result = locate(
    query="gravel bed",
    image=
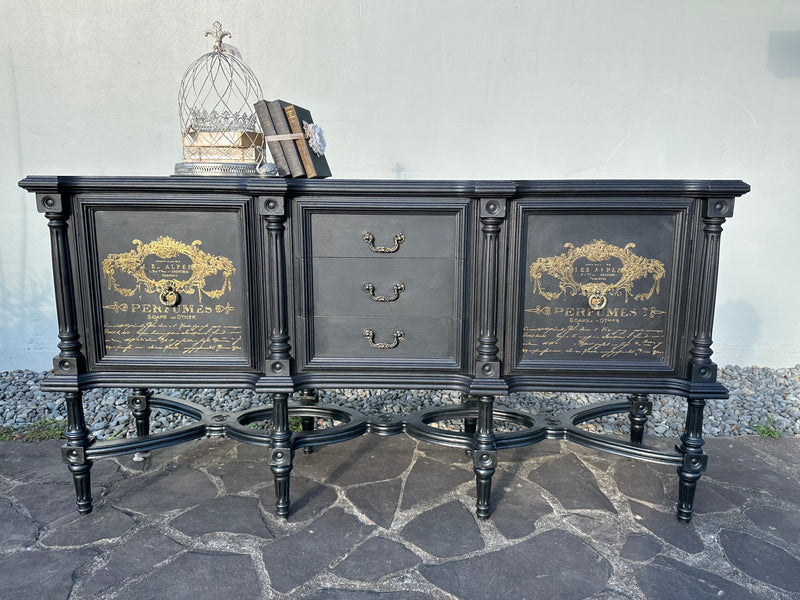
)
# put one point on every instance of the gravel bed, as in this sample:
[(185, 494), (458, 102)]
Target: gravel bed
[(759, 396)]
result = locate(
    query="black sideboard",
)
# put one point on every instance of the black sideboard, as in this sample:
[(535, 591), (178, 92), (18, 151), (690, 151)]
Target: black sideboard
[(481, 287)]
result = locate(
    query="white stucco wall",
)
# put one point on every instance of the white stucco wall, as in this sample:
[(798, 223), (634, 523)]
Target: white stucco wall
[(490, 89)]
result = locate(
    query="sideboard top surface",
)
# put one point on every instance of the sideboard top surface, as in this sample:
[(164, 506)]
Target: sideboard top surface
[(430, 188)]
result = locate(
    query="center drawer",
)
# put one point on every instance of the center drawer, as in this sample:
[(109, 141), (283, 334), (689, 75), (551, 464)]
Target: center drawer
[(385, 236), (375, 287), (387, 340), (382, 283)]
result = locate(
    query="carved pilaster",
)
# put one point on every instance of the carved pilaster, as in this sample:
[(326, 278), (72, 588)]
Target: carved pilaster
[(715, 211), (69, 360), (273, 210), (493, 212)]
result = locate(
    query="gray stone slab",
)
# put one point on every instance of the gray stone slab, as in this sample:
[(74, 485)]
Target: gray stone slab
[(102, 524), (739, 464), (430, 479), (517, 504), (252, 453), (445, 531), (41, 575), (572, 483), (544, 449), (293, 560), (783, 453), (334, 594), (667, 527), (446, 454), (308, 498), (16, 529), (156, 459), (602, 528), (761, 560), (137, 556), (173, 487), (784, 524), (106, 472), (711, 497), (668, 579), (554, 564), (226, 514), (376, 558), (52, 497), (209, 452), (228, 575), (641, 481), (640, 547), (378, 501), (240, 475), (365, 459), (25, 462), (47, 502)]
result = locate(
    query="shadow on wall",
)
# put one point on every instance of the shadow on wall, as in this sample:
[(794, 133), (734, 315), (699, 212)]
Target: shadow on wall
[(28, 324), (783, 54), (742, 329)]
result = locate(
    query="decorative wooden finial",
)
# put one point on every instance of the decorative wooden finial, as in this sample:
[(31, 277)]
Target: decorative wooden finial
[(218, 33)]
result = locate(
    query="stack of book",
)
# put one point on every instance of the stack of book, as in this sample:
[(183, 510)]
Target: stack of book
[(296, 144), (234, 146)]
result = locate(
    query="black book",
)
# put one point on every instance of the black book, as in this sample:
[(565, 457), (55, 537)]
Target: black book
[(275, 148)]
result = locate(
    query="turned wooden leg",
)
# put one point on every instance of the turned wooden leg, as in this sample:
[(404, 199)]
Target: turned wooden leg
[(74, 451), (281, 452), (694, 460), (308, 397), (484, 456), (470, 425), (640, 409), (139, 403)]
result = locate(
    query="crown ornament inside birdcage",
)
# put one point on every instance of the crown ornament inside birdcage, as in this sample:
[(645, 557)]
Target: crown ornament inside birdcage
[(220, 130)]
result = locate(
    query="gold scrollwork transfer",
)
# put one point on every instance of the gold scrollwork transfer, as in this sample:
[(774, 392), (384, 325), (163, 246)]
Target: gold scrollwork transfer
[(169, 281), (594, 258)]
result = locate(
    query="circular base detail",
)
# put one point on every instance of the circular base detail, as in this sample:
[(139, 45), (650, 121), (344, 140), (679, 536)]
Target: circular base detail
[(222, 168)]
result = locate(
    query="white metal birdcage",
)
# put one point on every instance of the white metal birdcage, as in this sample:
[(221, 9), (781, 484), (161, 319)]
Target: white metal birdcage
[(221, 133)]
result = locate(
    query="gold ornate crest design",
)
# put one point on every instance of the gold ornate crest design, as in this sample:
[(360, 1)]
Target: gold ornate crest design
[(619, 280), (201, 265)]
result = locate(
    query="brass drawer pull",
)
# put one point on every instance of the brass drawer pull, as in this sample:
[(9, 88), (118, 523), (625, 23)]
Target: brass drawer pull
[(369, 239), (370, 335), (369, 288), (597, 301), (169, 296)]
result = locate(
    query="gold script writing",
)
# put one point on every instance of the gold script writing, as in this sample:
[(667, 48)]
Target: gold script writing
[(172, 337), (592, 341)]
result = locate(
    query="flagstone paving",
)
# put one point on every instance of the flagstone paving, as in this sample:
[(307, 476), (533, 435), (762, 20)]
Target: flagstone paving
[(392, 518)]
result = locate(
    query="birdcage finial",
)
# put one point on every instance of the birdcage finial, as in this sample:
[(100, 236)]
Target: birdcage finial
[(219, 34)]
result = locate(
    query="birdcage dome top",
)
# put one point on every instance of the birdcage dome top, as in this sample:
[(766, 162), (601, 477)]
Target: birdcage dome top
[(220, 130)]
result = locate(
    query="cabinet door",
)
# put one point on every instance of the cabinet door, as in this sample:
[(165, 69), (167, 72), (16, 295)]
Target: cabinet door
[(598, 286), (168, 282), (381, 283)]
